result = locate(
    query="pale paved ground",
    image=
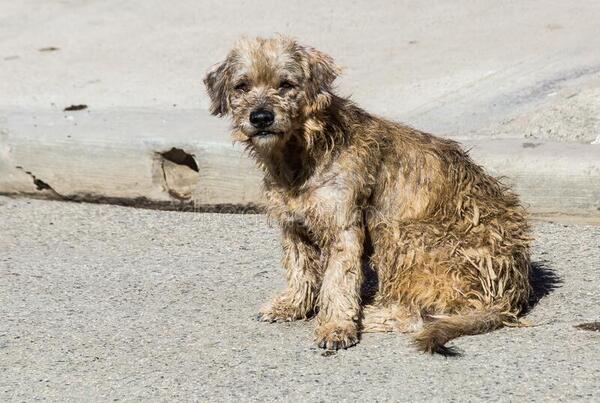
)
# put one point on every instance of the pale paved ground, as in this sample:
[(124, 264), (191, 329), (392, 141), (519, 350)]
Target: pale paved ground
[(528, 68), (105, 303)]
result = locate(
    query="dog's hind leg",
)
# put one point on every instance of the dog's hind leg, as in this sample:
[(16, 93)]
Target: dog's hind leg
[(463, 283)]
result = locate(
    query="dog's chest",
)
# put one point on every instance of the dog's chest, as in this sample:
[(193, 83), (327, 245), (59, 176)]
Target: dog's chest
[(319, 209)]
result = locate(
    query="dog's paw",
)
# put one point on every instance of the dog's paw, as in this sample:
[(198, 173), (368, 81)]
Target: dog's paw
[(336, 335), (280, 311)]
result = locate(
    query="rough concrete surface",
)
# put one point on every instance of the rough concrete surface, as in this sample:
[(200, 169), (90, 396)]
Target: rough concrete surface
[(109, 303)]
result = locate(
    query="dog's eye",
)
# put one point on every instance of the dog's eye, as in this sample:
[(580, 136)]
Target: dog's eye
[(286, 85), (241, 87)]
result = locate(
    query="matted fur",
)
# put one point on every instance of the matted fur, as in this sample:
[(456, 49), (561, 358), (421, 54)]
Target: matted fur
[(449, 243)]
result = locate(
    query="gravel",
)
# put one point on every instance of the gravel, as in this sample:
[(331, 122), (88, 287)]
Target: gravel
[(102, 302)]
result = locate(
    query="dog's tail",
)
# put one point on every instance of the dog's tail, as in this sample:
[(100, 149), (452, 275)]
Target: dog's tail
[(441, 329)]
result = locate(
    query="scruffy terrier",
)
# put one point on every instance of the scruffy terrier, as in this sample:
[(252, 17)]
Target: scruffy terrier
[(448, 243)]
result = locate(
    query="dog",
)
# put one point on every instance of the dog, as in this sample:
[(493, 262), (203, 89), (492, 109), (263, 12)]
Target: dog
[(353, 192)]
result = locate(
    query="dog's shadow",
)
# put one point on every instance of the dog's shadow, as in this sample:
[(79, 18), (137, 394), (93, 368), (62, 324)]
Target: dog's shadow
[(542, 278), (543, 281)]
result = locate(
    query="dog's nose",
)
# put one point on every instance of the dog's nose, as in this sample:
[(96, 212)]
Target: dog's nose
[(261, 118)]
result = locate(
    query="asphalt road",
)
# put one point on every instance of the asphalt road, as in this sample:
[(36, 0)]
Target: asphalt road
[(106, 303)]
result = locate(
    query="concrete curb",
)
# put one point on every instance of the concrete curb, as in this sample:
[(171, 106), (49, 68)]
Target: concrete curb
[(183, 159)]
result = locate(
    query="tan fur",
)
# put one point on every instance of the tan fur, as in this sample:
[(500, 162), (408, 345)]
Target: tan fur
[(449, 243)]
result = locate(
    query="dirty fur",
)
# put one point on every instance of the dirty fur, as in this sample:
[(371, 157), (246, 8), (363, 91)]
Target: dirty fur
[(448, 242)]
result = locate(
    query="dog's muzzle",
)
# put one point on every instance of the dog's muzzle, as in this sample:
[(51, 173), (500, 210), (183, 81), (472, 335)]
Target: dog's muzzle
[(262, 119)]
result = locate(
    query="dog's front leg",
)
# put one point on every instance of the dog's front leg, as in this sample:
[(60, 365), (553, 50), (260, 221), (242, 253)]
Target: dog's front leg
[(301, 260), (339, 299)]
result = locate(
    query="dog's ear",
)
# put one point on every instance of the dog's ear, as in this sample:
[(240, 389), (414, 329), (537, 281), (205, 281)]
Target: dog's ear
[(320, 71), (216, 81)]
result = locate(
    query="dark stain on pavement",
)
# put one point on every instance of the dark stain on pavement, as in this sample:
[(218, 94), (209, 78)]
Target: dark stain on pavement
[(590, 326), (75, 107)]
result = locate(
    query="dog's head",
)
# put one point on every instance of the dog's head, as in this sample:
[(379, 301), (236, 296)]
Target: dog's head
[(271, 88)]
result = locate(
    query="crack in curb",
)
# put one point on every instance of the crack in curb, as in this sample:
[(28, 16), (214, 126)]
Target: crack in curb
[(40, 184), (169, 189), (181, 158)]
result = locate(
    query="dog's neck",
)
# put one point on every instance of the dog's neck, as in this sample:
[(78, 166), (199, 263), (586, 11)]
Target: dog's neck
[(309, 150), (288, 165)]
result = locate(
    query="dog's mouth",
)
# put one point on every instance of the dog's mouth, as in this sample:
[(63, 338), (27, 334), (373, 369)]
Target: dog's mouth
[(267, 133)]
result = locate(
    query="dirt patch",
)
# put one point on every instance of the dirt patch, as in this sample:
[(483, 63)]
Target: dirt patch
[(569, 115)]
